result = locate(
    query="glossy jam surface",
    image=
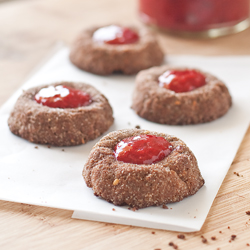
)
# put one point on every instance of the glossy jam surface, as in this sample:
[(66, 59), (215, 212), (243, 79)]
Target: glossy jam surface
[(62, 97), (193, 15), (115, 35), (182, 80), (142, 149)]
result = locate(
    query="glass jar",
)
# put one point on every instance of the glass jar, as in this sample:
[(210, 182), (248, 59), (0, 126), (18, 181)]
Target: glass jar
[(205, 18)]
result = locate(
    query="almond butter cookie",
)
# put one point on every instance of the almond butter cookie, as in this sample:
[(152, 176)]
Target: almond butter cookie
[(141, 168), (61, 114), (108, 49), (179, 96)]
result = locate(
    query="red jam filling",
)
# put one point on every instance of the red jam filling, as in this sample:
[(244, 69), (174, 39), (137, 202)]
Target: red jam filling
[(182, 80), (193, 15), (142, 149), (115, 35), (62, 97)]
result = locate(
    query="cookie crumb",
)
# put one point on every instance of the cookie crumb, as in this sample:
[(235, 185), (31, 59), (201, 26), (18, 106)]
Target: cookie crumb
[(173, 245), (113, 209), (229, 241), (248, 244), (49, 146), (233, 236), (138, 126), (220, 232), (115, 182), (241, 175), (152, 232), (213, 238), (133, 209), (36, 147), (164, 206), (181, 236), (63, 149), (228, 227), (157, 249), (248, 212), (204, 240)]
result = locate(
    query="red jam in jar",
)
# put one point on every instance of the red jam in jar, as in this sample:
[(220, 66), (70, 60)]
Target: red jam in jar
[(62, 97), (142, 149), (182, 80), (115, 35), (196, 15)]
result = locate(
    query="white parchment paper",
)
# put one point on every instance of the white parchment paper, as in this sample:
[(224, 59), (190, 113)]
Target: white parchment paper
[(52, 176)]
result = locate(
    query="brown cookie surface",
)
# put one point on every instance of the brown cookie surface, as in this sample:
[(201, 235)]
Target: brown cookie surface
[(141, 185), (60, 127), (104, 59), (161, 105)]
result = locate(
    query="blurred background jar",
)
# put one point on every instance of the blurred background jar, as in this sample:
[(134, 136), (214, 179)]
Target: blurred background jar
[(200, 18)]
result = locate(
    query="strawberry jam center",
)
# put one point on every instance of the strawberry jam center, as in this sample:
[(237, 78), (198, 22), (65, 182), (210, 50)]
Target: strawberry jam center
[(182, 80), (142, 149), (62, 97), (114, 34)]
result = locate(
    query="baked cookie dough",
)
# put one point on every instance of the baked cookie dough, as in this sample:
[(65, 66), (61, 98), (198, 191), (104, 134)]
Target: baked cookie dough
[(141, 185), (161, 105), (101, 58), (60, 126)]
